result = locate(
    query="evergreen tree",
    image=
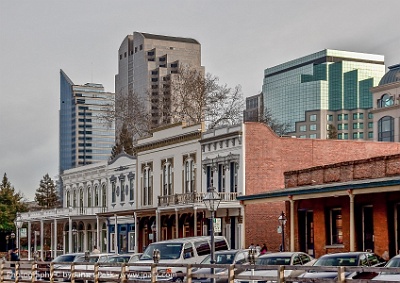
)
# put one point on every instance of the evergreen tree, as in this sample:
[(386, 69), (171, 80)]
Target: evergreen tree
[(10, 204), (46, 195)]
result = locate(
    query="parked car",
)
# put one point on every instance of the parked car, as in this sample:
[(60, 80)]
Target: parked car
[(276, 259), (390, 275), (111, 268), (86, 269), (62, 266), (221, 257), (345, 259), (181, 250)]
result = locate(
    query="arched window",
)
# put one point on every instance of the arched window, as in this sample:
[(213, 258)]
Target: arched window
[(81, 200), (96, 196), (386, 100), (104, 196), (123, 192), (131, 187), (68, 198), (89, 196), (147, 186), (113, 192), (190, 175), (74, 199), (167, 178), (386, 129)]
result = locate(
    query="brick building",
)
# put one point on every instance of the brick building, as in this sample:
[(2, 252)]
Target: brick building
[(268, 157)]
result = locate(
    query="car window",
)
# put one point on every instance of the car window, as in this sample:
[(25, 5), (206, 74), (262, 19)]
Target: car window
[(221, 245), (241, 258), (296, 260), (224, 258), (363, 260), (373, 259), (188, 250), (64, 258), (273, 260), (304, 258), (202, 248)]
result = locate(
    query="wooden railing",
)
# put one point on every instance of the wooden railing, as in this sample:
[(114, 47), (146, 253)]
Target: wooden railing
[(34, 272), (189, 198)]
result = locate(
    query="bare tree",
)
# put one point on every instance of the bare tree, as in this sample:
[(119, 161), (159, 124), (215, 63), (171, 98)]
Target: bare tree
[(198, 98), (280, 129)]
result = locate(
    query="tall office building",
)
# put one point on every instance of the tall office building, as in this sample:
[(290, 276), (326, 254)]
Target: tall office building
[(147, 63), (85, 137), (324, 92)]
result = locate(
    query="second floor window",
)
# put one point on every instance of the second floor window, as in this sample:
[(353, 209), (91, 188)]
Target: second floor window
[(147, 186), (96, 196), (89, 192), (189, 176), (167, 179), (131, 189), (123, 189), (113, 193)]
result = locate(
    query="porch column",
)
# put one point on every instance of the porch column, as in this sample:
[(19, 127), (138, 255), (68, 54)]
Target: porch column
[(352, 228), (41, 239), (115, 234), (158, 226), (55, 239), (70, 235), (195, 220), (291, 224), (136, 231), (176, 223), (98, 244), (29, 240), (85, 238)]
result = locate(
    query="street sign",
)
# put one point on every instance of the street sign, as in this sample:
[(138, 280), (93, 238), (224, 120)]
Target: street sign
[(217, 225), (23, 233)]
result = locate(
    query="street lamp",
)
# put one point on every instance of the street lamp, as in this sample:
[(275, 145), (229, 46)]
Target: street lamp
[(12, 236), (282, 220), (18, 225), (211, 201), (154, 230)]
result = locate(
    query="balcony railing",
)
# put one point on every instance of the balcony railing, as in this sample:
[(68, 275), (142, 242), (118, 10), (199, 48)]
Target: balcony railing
[(63, 212), (190, 198)]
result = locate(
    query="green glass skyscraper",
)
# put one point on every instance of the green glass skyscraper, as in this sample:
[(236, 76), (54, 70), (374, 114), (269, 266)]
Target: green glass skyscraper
[(325, 94)]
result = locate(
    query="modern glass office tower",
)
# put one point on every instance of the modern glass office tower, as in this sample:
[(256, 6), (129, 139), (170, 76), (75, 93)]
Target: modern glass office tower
[(85, 138), (324, 92)]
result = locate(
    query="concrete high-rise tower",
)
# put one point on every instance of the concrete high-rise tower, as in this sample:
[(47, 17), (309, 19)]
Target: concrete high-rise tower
[(324, 92), (85, 137), (146, 65)]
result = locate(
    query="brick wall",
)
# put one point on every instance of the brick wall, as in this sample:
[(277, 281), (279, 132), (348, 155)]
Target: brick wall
[(268, 156)]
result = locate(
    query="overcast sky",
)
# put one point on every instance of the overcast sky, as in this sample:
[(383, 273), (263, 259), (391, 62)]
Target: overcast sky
[(239, 40)]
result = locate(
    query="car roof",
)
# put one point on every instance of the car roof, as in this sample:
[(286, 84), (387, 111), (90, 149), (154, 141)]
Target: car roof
[(287, 254), (230, 251), (188, 239), (344, 254)]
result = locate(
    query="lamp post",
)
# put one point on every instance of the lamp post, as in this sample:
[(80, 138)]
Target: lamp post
[(12, 236), (282, 220), (154, 230), (18, 225), (211, 201)]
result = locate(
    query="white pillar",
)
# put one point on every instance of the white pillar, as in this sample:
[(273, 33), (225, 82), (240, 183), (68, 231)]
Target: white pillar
[(176, 223), (29, 240), (41, 239), (352, 228), (98, 244), (195, 220), (70, 235), (136, 231), (85, 239), (115, 234), (158, 226), (55, 239), (291, 225)]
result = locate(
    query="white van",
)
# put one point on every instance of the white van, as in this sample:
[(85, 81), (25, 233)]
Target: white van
[(184, 250)]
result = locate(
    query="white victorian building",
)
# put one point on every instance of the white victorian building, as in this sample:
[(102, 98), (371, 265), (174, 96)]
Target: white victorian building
[(126, 203)]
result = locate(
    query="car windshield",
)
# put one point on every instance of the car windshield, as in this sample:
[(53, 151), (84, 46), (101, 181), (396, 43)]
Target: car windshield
[(350, 260), (273, 260), (64, 258), (167, 251), (134, 258), (394, 262)]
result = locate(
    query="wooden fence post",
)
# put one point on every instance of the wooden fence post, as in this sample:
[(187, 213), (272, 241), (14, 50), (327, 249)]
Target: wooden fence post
[(153, 273), (17, 266), (73, 272), (96, 273), (341, 276), (33, 272), (188, 273), (231, 273), (281, 274), (51, 275), (2, 271), (123, 273)]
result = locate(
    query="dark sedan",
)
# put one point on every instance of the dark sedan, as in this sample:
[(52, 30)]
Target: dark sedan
[(364, 259)]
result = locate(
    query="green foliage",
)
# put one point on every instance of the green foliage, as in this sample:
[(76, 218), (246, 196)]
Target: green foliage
[(332, 132), (46, 195), (10, 204)]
